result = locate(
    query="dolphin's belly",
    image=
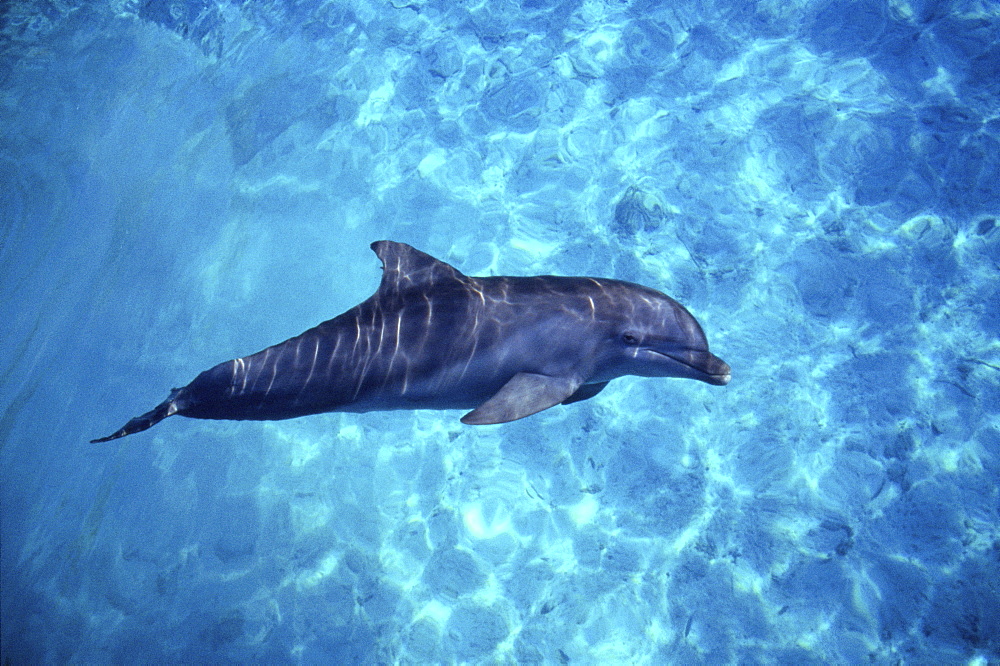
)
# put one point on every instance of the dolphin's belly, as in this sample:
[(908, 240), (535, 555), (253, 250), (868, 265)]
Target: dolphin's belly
[(445, 387), (337, 367)]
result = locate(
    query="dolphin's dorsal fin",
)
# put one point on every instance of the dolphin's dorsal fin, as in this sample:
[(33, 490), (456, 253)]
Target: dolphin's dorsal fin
[(525, 394), (405, 267)]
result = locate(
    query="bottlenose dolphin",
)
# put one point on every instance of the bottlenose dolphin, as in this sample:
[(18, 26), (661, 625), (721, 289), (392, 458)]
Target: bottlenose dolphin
[(433, 338)]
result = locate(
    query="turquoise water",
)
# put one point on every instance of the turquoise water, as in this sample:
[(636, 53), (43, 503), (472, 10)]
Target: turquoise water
[(187, 182)]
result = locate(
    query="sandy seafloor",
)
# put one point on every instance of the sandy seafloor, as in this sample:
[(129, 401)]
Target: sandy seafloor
[(183, 183)]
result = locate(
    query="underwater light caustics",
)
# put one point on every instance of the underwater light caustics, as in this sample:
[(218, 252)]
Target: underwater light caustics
[(433, 338)]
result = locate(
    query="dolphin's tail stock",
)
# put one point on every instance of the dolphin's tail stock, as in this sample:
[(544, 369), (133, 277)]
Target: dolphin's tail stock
[(166, 408)]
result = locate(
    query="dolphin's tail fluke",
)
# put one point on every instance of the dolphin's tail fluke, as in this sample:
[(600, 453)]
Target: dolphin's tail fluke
[(166, 408)]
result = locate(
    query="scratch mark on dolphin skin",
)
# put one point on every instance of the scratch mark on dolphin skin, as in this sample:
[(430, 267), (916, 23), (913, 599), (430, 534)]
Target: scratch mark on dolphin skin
[(243, 371), (312, 366), (274, 370), (260, 371), (333, 357), (395, 348), (367, 352)]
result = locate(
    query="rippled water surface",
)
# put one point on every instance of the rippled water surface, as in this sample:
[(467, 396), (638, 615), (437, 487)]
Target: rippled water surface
[(186, 182)]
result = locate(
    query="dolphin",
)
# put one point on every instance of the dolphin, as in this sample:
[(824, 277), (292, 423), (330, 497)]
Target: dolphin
[(433, 338)]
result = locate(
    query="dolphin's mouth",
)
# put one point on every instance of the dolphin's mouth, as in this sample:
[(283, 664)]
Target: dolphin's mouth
[(720, 379), (701, 365)]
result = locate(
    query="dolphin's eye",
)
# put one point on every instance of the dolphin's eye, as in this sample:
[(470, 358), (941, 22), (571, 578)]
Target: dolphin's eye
[(630, 339)]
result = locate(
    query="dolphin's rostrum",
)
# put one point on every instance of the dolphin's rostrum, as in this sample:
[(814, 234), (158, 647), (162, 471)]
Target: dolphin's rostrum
[(433, 338)]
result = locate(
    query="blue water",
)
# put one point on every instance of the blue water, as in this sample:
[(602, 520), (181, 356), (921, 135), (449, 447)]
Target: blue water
[(186, 182)]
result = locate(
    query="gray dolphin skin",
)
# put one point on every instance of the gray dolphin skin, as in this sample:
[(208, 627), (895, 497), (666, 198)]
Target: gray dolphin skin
[(433, 338)]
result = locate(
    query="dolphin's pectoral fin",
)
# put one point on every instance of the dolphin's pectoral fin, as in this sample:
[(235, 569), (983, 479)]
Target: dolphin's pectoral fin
[(585, 392), (525, 394)]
